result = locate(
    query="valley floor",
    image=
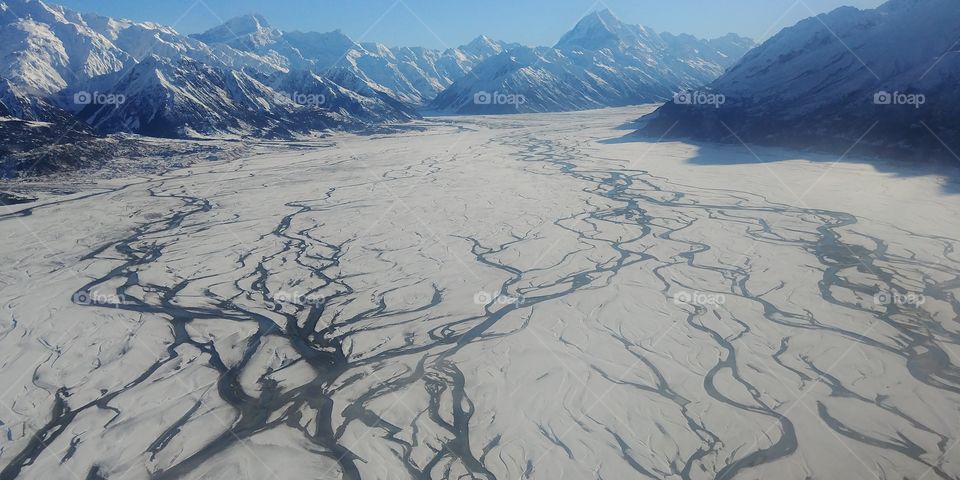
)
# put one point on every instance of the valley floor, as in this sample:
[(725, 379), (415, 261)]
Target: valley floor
[(493, 297)]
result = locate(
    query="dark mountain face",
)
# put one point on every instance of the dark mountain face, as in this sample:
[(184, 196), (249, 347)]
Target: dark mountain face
[(882, 80)]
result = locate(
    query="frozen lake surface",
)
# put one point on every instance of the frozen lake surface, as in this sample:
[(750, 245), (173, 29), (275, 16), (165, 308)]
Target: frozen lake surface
[(492, 297)]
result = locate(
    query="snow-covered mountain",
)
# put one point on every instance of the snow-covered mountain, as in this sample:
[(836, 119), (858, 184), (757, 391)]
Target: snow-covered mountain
[(123, 76), (46, 49), (601, 62), (410, 75), (881, 79), (246, 77), (249, 32), (242, 77), (178, 98)]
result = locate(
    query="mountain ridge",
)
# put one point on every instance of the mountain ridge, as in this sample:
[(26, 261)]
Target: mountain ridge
[(248, 78), (834, 82), (601, 62)]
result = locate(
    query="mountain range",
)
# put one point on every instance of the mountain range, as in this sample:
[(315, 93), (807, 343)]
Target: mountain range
[(602, 62), (872, 81), (410, 75), (880, 80), (245, 77)]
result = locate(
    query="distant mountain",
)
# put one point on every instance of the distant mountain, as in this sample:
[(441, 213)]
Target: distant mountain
[(410, 75), (601, 62), (248, 32), (881, 79)]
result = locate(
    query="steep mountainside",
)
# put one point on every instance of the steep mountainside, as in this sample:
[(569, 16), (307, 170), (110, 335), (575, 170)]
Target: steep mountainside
[(884, 80), (123, 76)]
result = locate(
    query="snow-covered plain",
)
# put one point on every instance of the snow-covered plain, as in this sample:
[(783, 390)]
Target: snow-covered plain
[(492, 297)]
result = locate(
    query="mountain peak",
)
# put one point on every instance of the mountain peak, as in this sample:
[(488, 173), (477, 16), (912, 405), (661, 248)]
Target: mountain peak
[(483, 45), (245, 32), (248, 23), (600, 29), (600, 19), (35, 9), (481, 40), (604, 16)]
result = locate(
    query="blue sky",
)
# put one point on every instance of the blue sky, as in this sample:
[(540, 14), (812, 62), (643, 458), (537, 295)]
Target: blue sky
[(442, 23)]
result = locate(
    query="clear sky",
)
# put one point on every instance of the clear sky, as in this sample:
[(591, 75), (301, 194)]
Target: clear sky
[(443, 23)]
